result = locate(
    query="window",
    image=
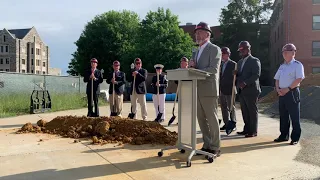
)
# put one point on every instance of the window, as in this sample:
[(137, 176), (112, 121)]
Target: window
[(315, 70), (23, 71), (38, 72), (31, 61), (1, 69), (38, 62), (4, 38), (1, 49), (316, 1), (7, 61), (44, 64), (316, 22), (7, 48), (31, 71), (43, 72), (1, 61), (316, 48), (7, 70), (23, 61), (31, 50)]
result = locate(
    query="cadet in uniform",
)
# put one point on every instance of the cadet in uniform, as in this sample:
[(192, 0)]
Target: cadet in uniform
[(119, 83), (163, 84), (288, 78), (96, 75)]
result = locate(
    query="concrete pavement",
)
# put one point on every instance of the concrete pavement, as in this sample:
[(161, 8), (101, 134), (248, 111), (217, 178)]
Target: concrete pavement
[(24, 156)]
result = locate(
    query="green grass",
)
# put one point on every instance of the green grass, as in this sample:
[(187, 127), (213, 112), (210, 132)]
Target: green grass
[(19, 104)]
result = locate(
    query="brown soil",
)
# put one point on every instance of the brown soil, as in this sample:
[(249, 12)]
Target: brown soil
[(106, 130), (310, 80)]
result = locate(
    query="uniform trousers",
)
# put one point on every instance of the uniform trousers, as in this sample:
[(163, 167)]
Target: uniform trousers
[(141, 98), (207, 114), (118, 103), (90, 105), (289, 105), (160, 103)]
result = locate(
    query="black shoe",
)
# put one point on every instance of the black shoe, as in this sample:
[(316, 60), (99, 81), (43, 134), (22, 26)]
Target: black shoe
[(223, 128), (293, 142), (279, 139), (217, 152), (203, 149), (242, 133), (251, 135)]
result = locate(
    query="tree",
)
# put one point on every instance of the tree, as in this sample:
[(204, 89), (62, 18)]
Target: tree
[(247, 20), (108, 37), (162, 41)]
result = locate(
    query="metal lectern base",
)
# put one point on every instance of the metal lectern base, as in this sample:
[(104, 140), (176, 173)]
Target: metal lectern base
[(209, 156)]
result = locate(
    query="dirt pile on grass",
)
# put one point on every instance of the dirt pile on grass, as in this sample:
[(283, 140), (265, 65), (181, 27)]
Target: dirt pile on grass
[(310, 80), (105, 130)]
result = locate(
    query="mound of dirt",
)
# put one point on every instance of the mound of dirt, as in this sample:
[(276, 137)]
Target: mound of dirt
[(310, 80), (106, 130)]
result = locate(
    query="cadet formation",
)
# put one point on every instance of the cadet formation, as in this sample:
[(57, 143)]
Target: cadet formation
[(228, 79)]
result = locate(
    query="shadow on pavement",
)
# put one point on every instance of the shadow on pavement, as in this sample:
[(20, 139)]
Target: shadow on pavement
[(104, 170)]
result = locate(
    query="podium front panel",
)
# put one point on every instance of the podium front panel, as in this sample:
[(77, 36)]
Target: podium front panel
[(185, 116)]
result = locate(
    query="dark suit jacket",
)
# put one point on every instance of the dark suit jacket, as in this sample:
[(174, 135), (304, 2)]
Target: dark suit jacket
[(96, 83), (226, 78), (250, 74), (163, 84), (120, 78), (140, 84)]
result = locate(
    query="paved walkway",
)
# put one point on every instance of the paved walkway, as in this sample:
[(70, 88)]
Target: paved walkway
[(23, 156)]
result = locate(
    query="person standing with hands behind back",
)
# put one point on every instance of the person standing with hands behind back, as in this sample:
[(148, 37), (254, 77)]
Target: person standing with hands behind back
[(93, 75), (288, 78)]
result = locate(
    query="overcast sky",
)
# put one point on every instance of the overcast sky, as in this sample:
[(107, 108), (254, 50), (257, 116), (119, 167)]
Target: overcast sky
[(60, 22)]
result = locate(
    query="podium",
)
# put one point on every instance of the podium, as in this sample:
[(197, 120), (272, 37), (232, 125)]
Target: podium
[(187, 111)]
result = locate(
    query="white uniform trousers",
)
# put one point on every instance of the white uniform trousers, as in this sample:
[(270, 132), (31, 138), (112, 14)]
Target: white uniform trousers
[(161, 103)]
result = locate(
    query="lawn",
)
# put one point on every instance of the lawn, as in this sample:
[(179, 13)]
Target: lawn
[(19, 104)]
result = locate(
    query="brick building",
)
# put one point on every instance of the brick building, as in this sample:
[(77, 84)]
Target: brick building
[(297, 22), (23, 51)]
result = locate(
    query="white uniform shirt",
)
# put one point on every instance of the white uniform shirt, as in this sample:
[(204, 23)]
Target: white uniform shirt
[(289, 72)]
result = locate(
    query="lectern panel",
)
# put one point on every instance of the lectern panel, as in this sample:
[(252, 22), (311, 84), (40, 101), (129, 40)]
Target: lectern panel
[(186, 109)]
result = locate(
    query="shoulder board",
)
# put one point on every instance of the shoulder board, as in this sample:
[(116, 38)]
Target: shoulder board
[(298, 62)]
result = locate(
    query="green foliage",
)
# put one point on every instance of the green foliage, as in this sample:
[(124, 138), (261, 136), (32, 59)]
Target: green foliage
[(108, 37), (246, 20), (161, 40), (19, 104), (121, 36)]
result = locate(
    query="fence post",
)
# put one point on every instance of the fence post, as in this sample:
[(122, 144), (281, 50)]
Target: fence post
[(79, 84)]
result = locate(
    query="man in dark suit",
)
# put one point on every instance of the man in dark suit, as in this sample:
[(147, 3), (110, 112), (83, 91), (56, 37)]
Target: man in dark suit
[(226, 88), (118, 79), (93, 77), (248, 74), (138, 89)]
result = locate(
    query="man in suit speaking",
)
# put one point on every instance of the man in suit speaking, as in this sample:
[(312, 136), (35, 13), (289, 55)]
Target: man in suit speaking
[(248, 88), (208, 58)]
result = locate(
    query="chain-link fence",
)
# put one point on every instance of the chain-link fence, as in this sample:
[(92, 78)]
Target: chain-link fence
[(26, 83)]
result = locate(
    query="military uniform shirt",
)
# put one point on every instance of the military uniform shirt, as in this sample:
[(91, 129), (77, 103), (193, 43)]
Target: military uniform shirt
[(289, 72)]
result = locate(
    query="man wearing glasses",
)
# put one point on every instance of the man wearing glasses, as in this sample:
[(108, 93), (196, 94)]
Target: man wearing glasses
[(138, 89), (117, 78)]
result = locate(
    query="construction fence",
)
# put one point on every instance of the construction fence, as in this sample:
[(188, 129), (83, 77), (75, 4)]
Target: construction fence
[(25, 83)]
